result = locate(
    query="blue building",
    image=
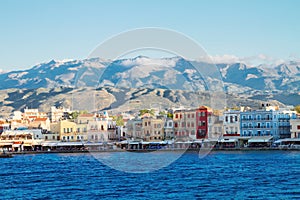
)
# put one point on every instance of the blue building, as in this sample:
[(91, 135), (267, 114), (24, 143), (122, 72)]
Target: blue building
[(269, 121)]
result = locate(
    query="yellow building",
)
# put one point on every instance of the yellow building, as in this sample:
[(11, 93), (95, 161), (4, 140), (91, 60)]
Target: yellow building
[(67, 131), (153, 129)]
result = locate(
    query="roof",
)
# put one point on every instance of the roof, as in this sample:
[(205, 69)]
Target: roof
[(86, 115), (41, 119)]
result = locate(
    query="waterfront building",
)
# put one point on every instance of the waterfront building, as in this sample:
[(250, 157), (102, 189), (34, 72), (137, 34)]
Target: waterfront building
[(202, 122), (152, 129), (31, 114), (295, 128), (57, 114), (281, 121), (81, 131), (66, 130), (169, 129), (4, 126), (134, 129), (258, 123), (20, 140), (215, 126), (191, 124), (40, 123), (85, 118), (185, 124), (231, 123), (269, 121), (50, 136)]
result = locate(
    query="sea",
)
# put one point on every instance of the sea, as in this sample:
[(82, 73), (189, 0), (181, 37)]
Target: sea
[(166, 175)]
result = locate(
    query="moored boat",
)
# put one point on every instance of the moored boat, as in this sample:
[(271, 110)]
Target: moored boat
[(5, 155)]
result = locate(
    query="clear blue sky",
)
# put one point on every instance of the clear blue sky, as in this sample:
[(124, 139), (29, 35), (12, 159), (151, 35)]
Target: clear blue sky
[(34, 31)]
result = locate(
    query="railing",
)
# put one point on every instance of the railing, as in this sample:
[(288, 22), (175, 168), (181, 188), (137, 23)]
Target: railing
[(257, 119), (258, 127)]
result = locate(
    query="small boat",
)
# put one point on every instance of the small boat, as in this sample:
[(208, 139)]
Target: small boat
[(5, 155)]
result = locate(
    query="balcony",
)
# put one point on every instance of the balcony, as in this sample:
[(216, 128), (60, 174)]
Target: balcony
[(257, 127), (257, 119)]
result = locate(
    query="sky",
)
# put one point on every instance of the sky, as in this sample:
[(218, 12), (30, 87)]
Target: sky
[(33, 31)]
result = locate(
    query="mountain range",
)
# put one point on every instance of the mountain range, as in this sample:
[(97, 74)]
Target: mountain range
[(261, 82), (158, 73)]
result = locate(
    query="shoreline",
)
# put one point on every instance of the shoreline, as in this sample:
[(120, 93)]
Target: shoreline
[(148, 151)]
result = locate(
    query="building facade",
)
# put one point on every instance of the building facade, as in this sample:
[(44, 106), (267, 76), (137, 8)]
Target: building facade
[(231, 123)]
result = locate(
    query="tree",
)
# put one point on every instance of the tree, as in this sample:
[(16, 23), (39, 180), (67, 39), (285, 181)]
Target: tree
[(74, 115), (144, 111), (119, 120), (170, 115), (297, 108)]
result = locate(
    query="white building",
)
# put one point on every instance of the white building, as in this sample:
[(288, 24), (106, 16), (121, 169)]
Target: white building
[(231, 123), (295, 128)]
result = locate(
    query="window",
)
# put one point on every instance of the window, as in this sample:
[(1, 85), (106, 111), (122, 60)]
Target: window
[(236, 118), (298, 127), (46, 137), (259, 133), (226, 119)]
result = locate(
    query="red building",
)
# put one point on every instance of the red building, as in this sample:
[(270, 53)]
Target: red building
[(202, 122), (191, 123)]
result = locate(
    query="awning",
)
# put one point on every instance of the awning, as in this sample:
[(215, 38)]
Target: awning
[(260, 139), (16, 145), (49, 144), (93, 144), (34, 142), (229, 140), (6, 144), (198, 141), (61, 144), (133, 142)]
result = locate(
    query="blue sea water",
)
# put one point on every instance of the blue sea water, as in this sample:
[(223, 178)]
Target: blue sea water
[(219, 175)]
